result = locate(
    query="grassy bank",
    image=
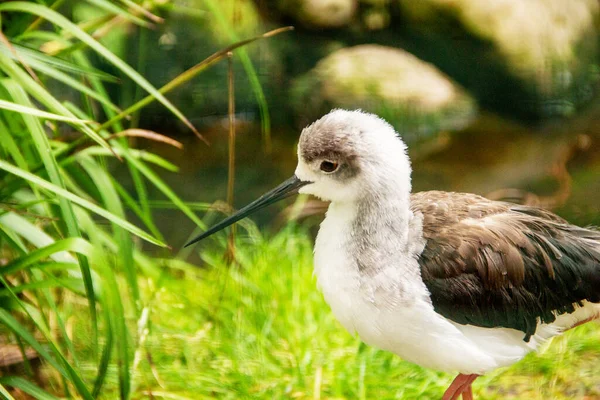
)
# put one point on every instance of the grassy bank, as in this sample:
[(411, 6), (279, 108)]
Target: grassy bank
[(261, 329), (105, 316)]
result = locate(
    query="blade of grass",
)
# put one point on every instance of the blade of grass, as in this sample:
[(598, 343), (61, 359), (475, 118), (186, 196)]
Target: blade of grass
[(215, 9), (146, 264), (36, 277), (113, 204), (113, 308), (18, 108), (73, 83), (146, 134), (25, 386), (11, 323), (5, 42), (114, 9), (49, 283), (132, 96), (13, 241), (4, 392), (164, 188), (105, 358), (190, 73), (21, 78), (139, 154), (140, 187), (34, 57), (133, 206), (43, 148), (231, 164), (33, 234), (79, 201), (140, 9), (39, 20), (15, 326), (121, 333), (67, 25), (10, 145), (196, 206), (76, 245), (62, 45), (97, 29)]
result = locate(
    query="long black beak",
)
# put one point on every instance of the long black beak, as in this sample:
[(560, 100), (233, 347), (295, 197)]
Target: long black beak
[(282, 191)]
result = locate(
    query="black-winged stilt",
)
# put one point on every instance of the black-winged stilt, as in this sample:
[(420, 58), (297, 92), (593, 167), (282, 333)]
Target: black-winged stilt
[(449, 281)]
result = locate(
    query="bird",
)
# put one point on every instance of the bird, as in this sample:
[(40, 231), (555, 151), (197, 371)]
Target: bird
[(450, 281)]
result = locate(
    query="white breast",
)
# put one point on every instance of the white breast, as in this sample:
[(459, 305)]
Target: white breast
[(410, 329), (332, 266)]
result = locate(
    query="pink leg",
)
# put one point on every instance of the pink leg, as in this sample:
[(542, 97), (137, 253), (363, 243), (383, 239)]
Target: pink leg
[(459, 385), (467, 393)]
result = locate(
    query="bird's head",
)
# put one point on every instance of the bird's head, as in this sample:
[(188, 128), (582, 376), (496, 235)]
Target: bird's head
[(342, 157), (347, 154)]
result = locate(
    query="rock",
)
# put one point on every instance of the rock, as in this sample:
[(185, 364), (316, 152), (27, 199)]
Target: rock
[(526, 59), (411, 94), (312, 14), (326, 13), (549, 46)]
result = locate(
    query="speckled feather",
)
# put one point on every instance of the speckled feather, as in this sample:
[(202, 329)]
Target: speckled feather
[(494, 264)]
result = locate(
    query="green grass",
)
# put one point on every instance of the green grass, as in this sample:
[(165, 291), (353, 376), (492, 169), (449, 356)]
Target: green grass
[(108, 318), (67, 246), (261, 329)]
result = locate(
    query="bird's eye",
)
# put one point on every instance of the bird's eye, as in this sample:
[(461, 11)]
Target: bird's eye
[(328, 166)]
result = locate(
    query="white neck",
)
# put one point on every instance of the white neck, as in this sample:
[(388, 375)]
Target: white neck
[(365, 251), (374, 230)]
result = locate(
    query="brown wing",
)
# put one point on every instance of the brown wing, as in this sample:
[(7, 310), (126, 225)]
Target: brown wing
[(494, 264)]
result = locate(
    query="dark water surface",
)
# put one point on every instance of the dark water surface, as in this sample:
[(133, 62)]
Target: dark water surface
[(556, 166)]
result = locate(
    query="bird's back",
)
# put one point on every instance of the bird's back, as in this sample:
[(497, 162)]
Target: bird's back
[(495, 264)]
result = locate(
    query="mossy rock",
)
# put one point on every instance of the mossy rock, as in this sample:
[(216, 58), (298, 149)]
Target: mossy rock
[(550, 47), (415, 97)]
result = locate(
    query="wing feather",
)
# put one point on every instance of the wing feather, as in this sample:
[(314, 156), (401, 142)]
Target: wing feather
[(495, 264)]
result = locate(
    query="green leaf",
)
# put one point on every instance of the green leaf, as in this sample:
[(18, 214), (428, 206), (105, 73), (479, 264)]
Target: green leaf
[(164, 188), (64, 367), (42, 144), (75, 244), (114, 9), (146, 218), (69, 81), (78, 200), (73, 284), (190, 73), (33, 234), (27, 387), (32, 87), (4, 392), (113, 204), (76, 31), (35, 59), (105, 358), (7, 105), (11, 323), (119, 326), (141, 154)]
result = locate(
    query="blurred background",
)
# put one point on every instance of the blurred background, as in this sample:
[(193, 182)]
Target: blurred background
[(498, 98)]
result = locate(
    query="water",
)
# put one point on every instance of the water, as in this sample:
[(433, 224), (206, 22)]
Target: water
[(555, 165)]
